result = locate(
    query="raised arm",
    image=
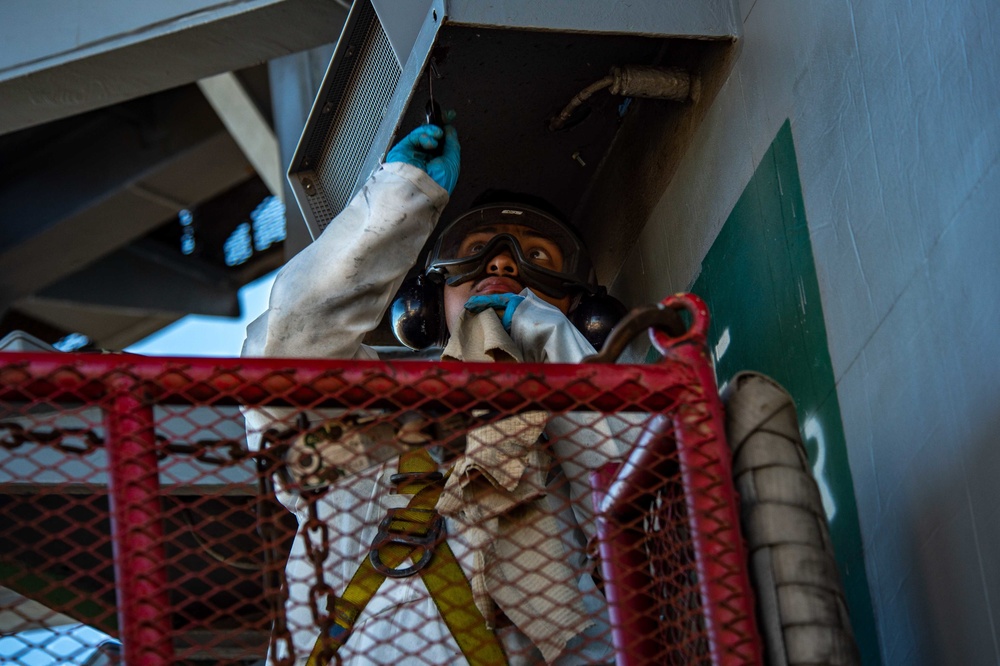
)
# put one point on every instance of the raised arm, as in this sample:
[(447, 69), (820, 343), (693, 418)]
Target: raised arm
[(330, 295)]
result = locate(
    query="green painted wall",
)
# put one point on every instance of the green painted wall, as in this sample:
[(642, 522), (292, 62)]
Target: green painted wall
[(760, 284)]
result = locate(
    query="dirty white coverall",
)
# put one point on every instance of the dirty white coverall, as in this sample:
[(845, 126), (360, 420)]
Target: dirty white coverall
[(322, 304)]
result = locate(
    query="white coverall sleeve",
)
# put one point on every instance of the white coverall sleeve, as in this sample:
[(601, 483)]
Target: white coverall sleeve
[(545, 335), (329, 296)]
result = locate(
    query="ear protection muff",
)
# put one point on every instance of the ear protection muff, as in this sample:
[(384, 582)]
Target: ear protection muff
[(596, 315), (417, 314)]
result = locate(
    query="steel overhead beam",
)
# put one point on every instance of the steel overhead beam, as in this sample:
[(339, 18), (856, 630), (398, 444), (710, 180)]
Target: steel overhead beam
[(247, 126), (148, 279), (89, 234), (134, 291), (107, 328), (93, 156), (144, 278), (59, 59), (108, 185)]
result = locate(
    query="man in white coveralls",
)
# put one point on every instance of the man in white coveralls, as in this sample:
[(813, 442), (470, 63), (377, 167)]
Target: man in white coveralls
[(508, 276)]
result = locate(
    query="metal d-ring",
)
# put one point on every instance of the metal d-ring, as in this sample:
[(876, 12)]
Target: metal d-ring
[(386, 536)]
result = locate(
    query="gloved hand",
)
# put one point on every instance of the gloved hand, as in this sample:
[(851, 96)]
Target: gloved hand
[(506, 302), (416, 149)]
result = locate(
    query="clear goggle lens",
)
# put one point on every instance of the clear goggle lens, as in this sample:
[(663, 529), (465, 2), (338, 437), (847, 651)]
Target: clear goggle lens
[(549, 256)]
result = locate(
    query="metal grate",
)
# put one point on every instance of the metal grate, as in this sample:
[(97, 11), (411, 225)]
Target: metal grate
[(132, 502), (358, 95)]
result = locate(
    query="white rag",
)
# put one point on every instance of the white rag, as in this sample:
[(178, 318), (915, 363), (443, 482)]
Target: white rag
[(494, 491)]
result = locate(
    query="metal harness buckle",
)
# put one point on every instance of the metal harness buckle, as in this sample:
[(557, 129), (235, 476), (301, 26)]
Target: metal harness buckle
[(387, 535), (403, 478)]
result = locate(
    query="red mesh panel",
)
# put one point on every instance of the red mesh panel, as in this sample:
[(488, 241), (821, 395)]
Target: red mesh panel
[(131, 504)]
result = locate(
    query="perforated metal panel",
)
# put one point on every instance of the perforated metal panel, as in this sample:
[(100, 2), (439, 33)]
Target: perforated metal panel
[(346, 118), (354, 127)]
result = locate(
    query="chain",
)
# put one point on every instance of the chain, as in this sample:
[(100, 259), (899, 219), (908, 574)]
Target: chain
[(275, 581), (205, 450), (317, 555), (84, 441), (316, 535)]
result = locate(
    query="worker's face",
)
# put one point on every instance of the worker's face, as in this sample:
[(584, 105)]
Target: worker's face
[(501, 276)]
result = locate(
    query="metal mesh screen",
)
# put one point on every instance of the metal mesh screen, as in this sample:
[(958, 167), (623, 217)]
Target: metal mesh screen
[(348, 121), (421, 513)]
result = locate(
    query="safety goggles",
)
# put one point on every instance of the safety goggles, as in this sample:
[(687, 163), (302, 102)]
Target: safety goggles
[(455, 261)]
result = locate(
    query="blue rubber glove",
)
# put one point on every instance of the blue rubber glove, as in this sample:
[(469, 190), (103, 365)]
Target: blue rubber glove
[(417, 148), (506, 302)]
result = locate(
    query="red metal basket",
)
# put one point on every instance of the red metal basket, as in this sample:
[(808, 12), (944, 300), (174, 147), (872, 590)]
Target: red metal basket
[(132, 504)]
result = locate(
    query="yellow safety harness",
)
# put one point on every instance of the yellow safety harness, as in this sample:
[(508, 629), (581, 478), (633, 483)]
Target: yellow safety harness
[(417, 533)]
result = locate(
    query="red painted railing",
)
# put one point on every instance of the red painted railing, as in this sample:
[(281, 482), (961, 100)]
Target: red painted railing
[(131, 504)]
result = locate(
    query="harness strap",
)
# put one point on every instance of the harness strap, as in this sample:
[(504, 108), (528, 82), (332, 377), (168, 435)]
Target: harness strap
[(414, 532)]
